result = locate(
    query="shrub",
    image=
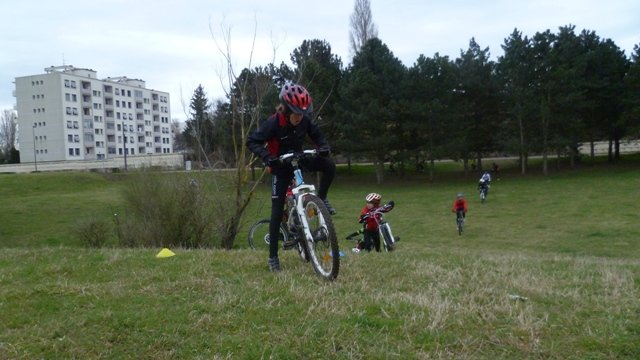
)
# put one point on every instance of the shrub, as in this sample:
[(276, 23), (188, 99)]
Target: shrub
[(94, 232), (167, 209)]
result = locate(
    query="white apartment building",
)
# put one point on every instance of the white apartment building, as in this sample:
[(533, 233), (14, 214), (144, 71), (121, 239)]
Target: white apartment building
[(67, 113)]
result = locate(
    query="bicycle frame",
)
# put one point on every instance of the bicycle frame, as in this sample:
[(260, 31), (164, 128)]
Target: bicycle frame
[(303, 202), (299, 190), (459, 220)]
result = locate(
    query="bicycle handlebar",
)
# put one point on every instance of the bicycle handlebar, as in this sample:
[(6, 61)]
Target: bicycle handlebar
[(383, 209), (298, 155)]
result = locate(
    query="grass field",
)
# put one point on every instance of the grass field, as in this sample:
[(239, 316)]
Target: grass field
[(548, 268)]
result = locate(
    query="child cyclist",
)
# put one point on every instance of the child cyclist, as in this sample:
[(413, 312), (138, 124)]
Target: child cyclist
[(460, 206), (370, 220)]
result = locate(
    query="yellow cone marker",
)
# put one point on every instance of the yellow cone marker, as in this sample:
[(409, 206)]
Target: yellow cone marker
[(165, 253)]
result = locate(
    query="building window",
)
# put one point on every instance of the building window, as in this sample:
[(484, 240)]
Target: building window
[(68, 111), (70, 138), (70, 152)]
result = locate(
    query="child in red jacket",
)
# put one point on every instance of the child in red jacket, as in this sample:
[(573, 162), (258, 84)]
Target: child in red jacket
[(370, 217), (460, 206)]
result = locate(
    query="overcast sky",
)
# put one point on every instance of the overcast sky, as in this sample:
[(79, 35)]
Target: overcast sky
[(175, 45)]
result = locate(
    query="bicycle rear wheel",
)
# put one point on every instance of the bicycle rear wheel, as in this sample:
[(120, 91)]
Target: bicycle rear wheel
[(460, 221), (259, 235), (322, 241)]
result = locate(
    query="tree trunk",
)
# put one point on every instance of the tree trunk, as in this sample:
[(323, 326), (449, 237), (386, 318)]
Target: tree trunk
[(522, 150), (379, 166), (432, 165)]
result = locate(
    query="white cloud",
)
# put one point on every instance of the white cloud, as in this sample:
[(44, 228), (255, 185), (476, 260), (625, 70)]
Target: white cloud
[(171, 46)]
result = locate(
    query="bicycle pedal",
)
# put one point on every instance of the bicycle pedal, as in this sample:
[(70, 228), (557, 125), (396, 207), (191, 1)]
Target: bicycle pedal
[(287, 245)]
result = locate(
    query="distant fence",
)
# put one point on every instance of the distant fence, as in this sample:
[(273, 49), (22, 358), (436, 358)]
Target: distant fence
[(602, 147), (165, 161)]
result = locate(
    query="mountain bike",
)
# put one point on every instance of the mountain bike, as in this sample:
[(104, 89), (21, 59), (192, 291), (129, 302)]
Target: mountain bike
[(459, 221), (306, 225), (384, 229), (483, 193)]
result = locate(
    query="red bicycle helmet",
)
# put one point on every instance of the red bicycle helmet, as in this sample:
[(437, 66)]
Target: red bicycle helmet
[(373, 198), (297, 98)]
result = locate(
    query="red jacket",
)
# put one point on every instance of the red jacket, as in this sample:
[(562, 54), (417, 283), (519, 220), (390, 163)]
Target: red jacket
[(460, 204), (371, 223)]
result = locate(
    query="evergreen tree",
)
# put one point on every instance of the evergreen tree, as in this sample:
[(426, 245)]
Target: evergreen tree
[(631, 99), (370, 103), (515, 73), (431, 82), (319, 71), (476, 104), (198, 132)]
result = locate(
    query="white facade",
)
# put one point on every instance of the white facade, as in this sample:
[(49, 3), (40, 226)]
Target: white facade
[(69, 114)]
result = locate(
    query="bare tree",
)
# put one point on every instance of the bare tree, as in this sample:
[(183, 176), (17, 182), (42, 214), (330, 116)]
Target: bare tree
[(178, 137), (8, 130), (245, 115), (362, 26)]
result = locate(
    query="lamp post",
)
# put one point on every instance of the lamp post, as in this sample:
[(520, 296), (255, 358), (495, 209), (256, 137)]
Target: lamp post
[(124, 147), (35, 159)]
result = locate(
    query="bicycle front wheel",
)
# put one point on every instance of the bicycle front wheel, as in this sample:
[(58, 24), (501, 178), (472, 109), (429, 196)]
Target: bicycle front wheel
[(387, 237), (322, 241), (259, 235)]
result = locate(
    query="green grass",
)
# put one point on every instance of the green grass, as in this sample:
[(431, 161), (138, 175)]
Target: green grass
[(568, 243)]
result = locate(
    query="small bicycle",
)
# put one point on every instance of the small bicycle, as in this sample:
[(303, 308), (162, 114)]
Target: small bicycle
[(459, 221), (306, 225), (384, 229)]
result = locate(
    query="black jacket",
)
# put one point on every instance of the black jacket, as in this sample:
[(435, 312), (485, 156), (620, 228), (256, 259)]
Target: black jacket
[(281, 137)]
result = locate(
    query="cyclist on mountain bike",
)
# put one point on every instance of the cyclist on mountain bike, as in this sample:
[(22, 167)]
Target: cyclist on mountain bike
[(485, 182), (368, 219), (460, 206), (284, 132), (486, 178)]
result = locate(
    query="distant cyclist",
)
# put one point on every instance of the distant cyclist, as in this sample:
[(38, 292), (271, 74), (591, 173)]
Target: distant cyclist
[(460, 207), (485, 182)]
